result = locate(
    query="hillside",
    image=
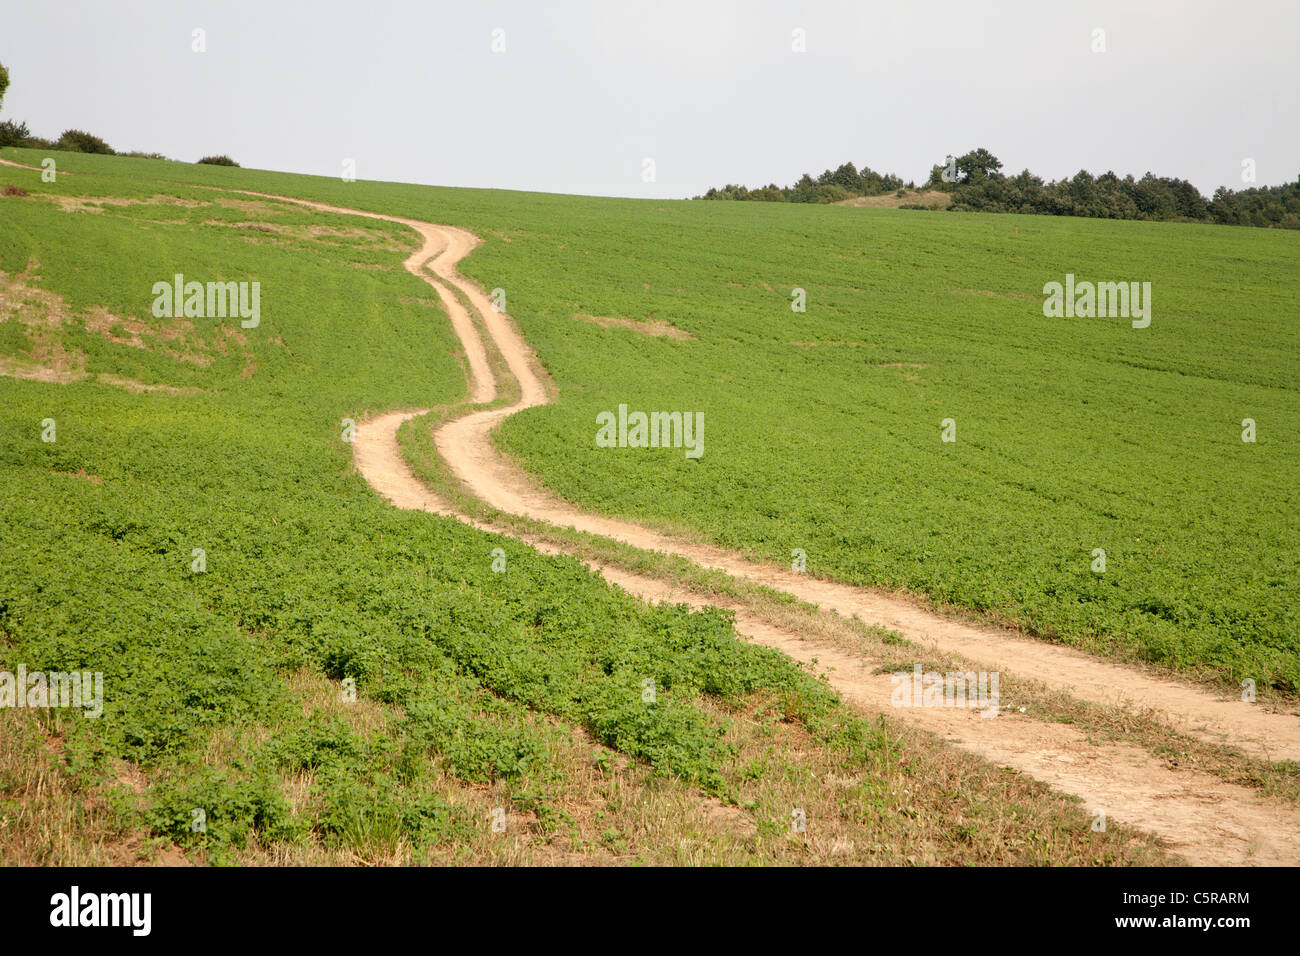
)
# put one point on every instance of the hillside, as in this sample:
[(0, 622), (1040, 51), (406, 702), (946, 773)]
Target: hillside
[(518, 680)]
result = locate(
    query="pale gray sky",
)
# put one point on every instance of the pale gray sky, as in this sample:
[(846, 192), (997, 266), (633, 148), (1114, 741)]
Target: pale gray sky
[(710, 89)]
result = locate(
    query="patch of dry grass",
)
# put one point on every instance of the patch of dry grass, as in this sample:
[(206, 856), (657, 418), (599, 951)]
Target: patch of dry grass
[(655, 328), (50, 818)]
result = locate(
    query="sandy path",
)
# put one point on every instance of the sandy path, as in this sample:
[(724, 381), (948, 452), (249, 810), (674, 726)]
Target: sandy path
[(465, 444), (1202, 818), (11, 163), (467, 448)]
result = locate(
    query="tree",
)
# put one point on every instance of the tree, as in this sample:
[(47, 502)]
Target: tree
[(847, 177), (977, 164), (13, 134), (874, 184), (1188, 201), (936, 180), (4, 83), (79, 141), (803, 189)]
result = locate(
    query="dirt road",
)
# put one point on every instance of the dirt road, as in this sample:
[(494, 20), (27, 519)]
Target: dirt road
[(1203, 818)]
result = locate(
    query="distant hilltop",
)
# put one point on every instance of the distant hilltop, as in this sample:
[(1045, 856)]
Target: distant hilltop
[(975, 183)]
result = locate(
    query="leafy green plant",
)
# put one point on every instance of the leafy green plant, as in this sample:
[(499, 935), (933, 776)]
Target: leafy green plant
[(82, 142)]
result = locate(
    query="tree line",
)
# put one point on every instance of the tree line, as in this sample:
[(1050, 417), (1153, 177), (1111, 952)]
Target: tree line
[(844, 183), (977, 184)]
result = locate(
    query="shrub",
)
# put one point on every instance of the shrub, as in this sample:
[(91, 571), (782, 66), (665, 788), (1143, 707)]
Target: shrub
[(79, 141), (829, 193), (218, 161), (13, 134)]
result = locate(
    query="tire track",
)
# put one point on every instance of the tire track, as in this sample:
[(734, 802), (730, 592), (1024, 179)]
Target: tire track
[(1201, 817)]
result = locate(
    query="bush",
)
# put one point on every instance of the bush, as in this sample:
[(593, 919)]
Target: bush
[(13, 134), (829, 193), (218, 161), (79, 141)]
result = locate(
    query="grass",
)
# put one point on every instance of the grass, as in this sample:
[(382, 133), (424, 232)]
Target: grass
[(1072, 435), (823, 427), (223, 687), (887, 650)]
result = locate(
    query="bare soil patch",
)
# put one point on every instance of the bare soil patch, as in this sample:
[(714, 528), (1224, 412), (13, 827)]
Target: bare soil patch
[(655, 328)]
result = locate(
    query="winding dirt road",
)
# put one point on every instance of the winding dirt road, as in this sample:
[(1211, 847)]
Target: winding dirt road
[(1202, 818)]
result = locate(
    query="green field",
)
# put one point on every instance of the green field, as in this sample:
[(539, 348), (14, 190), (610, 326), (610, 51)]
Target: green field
[(823, 427), (307, 572), (1071, 435)]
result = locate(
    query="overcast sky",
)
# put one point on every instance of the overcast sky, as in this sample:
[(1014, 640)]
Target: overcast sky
[(713, 91)]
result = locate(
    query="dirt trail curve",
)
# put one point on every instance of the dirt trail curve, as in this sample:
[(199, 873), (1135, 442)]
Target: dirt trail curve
[(1202, 818), (465, 444), (11, 163)]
